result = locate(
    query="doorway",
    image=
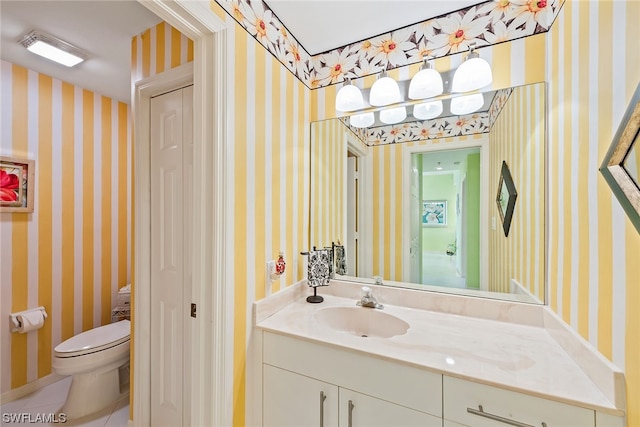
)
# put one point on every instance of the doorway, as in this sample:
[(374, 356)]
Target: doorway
[(448, 226)]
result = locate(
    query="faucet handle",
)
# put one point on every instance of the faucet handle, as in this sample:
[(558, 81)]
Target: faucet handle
[(366, 291)]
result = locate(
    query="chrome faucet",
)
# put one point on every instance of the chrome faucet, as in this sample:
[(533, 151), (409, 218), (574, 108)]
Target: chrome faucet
[(368, 300)]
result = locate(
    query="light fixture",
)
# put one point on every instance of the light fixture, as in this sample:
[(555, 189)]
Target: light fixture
[(362, 120), (53, 48), (349, 97), (427, 110), (472, 74), (393, 115), (466, 104), (384, 91), (426, 83), (439, 168)]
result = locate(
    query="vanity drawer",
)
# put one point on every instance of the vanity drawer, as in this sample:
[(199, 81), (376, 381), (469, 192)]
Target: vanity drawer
[(461, 398), (384, 379)]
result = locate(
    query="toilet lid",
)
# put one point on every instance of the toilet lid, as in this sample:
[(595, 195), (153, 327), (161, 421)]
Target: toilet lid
[(95, 339)]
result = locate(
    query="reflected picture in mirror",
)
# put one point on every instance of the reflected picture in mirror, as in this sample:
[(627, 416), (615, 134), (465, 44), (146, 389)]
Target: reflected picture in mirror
[(632, 161), (506, 199), (434, 213), (419, 209)]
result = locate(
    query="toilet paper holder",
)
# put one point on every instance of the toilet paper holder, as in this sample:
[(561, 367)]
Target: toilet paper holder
[(15, 321)]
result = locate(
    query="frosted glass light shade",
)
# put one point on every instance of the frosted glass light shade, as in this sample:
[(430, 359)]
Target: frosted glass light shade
[(472, 74), (362, 120), (53, 48), (349, 98), (466, 104), (427, 110), (393, 115), (425, 84), (384, 91)]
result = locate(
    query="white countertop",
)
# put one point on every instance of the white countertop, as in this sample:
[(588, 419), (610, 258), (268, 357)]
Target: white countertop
[(523, 354)]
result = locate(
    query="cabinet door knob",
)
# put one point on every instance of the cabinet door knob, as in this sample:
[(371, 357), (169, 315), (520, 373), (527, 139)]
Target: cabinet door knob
[(351, 406), (323, 397)]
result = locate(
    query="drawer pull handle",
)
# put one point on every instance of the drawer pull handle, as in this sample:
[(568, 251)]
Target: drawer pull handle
[(323, 397), (351, 406), (480, 412)]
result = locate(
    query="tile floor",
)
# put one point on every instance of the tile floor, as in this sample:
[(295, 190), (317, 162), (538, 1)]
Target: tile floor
[(440, 269), (49, 400)]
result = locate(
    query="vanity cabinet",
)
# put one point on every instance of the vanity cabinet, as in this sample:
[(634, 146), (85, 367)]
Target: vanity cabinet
[(295, 400), (304, 382), (478, 405)]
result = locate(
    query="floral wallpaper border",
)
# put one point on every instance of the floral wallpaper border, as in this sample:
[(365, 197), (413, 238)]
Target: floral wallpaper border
[(444, 127), (485, 24)]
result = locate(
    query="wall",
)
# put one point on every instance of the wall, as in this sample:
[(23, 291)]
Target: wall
[(328, 175), (71, 254), (517, 137), (594, 273), (440, 187), (270, 112)]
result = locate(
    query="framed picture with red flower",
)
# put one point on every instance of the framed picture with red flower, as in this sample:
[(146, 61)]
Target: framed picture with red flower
[(16, 184)]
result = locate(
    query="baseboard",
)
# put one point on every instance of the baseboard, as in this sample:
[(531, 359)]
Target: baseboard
[(29, 388)]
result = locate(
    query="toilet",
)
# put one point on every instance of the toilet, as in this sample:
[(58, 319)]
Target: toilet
[(94, 359)]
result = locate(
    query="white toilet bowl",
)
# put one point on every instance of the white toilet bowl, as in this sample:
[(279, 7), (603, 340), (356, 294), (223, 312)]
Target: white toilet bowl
[(93, 359)]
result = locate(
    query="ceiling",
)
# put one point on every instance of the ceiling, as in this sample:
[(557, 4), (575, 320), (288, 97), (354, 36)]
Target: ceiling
[(323, 25), (105, 28)]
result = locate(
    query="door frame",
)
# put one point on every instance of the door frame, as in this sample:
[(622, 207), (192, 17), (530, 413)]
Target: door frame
[(483, 144), (210, 385)]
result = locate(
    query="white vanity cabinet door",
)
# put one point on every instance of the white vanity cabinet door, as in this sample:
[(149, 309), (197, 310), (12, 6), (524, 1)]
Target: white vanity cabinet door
[(360, 410), (294, 400), (461, 395)]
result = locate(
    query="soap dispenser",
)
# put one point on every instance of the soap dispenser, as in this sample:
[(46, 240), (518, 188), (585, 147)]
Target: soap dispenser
[(280, 264)]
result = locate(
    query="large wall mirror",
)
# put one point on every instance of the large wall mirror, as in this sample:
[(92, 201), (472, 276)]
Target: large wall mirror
[(415, 203)]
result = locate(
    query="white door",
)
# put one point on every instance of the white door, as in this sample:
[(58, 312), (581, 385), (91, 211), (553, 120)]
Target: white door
[(171, 197), (415, 218)]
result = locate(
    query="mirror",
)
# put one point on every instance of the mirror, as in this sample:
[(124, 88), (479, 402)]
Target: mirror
[(371, 192), (620, 165)]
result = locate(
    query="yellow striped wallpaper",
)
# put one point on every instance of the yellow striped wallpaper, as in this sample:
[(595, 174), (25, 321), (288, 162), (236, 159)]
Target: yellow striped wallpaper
[(517, 137), (271, 111), (71, 255), (158, 49), (594, 250), (328, 174)]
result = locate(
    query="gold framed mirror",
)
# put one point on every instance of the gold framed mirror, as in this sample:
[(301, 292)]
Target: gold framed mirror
[(621, 166)]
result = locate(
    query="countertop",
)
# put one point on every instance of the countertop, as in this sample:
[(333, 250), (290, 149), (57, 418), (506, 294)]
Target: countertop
[(527, 352)]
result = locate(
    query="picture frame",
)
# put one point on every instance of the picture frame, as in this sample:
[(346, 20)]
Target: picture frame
[(17, 180), (434, 213), (506, 197), (620, 165)]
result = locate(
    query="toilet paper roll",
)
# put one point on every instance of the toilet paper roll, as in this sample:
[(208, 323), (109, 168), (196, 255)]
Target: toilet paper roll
[(30, 321)]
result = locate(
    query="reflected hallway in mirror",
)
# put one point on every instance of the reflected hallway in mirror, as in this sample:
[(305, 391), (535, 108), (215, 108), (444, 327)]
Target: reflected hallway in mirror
[(449, 184)]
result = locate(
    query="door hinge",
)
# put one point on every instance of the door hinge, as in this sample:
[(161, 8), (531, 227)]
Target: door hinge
[(193, 310)]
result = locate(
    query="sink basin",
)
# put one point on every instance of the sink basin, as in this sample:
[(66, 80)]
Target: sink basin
[(363, 322)]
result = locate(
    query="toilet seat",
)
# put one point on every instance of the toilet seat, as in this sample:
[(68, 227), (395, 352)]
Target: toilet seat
[(94, 340)]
